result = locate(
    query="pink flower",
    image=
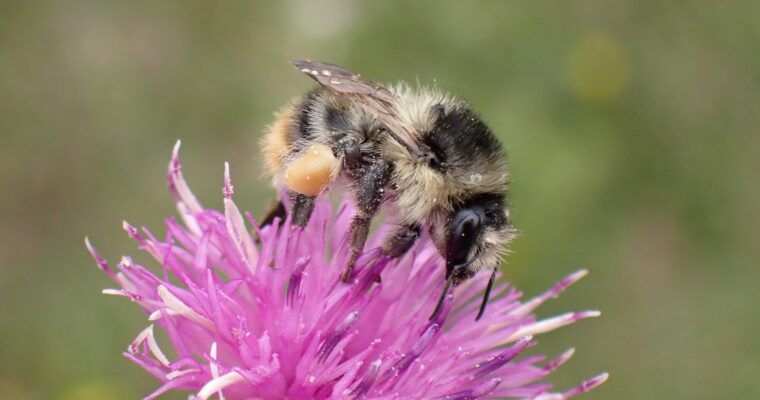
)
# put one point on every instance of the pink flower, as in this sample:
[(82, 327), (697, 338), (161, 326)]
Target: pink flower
[(272, 320)]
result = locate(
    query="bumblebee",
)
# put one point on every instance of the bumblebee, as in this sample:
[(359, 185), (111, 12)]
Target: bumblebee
[(420, 151)]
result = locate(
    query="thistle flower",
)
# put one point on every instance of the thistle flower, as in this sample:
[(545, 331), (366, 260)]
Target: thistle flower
[(270, 319)]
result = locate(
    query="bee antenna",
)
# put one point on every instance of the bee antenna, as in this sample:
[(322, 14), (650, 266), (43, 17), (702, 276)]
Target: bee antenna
[(445, 291), (486, 295)]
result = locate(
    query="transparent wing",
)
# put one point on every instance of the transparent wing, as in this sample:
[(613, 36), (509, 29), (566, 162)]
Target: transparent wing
[(342, 80), (374, 96)]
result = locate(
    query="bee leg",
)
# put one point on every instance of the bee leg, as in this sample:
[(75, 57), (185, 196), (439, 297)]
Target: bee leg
[(358, 236), (400, 241), (303, 206), (368, 195), (275, 211)]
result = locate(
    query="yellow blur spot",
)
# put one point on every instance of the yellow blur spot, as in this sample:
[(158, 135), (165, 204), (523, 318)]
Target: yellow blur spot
[(94, 390), (599, 67)]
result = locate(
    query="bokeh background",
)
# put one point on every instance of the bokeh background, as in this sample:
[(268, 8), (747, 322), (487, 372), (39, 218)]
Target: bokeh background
[(631, 126)]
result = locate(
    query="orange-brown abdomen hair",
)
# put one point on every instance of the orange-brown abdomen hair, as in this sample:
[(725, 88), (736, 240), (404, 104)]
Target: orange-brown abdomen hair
[(276, 143)]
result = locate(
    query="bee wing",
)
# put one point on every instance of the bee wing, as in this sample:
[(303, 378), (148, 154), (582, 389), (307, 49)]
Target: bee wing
[(342, 80), (377, 98)]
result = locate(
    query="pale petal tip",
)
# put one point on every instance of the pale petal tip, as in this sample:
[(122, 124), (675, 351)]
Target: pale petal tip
[(174, 165), (584, 387), (131, 230), (217, 384), (577, 275), (212, 351), (155, 315), (561, 360), (598, 380), (589, 314), (588, 385), (175, 150), (569, 280), (228, 188), (99, 260)]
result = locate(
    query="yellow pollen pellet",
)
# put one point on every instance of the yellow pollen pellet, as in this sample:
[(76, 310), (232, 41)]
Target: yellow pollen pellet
[(313, 172)]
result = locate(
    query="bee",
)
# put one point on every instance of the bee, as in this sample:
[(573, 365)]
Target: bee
[(420, 151)]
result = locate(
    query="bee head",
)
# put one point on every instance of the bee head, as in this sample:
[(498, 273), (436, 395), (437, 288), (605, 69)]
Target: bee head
[(475, 234)]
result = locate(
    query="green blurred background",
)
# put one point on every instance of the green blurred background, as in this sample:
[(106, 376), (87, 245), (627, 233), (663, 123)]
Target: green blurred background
[(632, 130)]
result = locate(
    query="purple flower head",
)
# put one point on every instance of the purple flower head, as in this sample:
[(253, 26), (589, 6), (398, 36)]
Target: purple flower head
[(261, 313)]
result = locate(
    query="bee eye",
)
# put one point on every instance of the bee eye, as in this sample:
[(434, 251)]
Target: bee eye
[(465, 228)]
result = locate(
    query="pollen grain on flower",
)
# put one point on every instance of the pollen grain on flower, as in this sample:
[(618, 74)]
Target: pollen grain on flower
[(261, 312)]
